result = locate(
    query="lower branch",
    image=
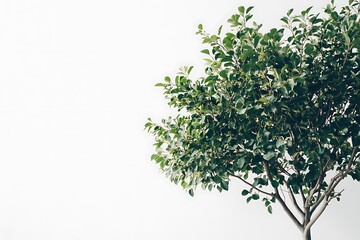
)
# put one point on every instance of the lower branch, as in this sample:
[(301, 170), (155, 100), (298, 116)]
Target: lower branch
[(336, 180), (278, 197), (293, 199), (288, 211), (329, 193), (317, 215)]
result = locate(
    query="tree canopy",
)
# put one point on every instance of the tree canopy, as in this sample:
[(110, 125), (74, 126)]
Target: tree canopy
[(277, 110)]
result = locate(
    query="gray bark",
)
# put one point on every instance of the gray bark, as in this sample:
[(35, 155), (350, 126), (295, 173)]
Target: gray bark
[(307, 235)]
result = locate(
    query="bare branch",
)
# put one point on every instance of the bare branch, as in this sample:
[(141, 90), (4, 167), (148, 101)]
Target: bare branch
[(293, 199), (288, 212), (315, 217), (283, 170), (282, 192), (283, 204), (302, 196), (314, 189), (317, 203)]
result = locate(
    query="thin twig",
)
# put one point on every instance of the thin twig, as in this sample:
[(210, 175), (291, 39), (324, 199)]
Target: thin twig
[(251, 185)]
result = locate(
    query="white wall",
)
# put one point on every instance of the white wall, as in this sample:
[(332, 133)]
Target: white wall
[(76, 87)]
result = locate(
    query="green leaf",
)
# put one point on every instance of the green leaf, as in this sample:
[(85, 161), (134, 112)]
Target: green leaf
[(223, 74), (249, 9), (276, 74), (289, 12), (191, 192), (219, 30), (242, 111), (245, 192), (189, 69), (227, 59), (214, 38), (256, 40), (224, 185), (269, 208), (217, 179), (263, 100), (285, 20), (275, 184), (290, 84), (239, 103), (309, 49), (241, 162), (148, 125), (167, 79), (269, 155), (303, 13), (248, 17), (334, 15), (247, 53), (206, 51), (255, 196), (241, 10)]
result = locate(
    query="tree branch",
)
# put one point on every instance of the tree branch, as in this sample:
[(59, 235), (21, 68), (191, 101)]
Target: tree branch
[(318, 214), (302, 195), (278, 197), (293, 199), (327, 195), (288, 212), (251, 185), (283, 169), (314, 189), (335, 181)]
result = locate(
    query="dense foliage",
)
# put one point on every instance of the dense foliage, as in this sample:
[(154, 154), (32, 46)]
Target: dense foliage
[(277, 110)]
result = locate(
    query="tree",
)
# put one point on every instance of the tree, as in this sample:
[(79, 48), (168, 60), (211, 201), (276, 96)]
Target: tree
[(278, 111)]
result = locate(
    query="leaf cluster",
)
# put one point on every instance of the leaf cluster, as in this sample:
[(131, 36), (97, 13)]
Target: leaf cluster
[(276, 110)]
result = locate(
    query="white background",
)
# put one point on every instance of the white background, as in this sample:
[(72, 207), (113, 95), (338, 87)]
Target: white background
[(76, 86)]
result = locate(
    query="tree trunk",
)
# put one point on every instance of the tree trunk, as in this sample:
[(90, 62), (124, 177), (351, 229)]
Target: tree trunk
[(307, 218), (307, 236)]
